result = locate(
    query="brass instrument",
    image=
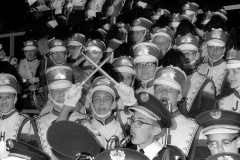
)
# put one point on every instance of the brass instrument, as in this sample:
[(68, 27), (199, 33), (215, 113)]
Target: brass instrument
[(117, 144), (83, 156), (176, 152), (168, 104)]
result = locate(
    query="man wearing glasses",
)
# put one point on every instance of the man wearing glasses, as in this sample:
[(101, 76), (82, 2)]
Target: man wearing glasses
[(199, 90), (148, 123), (221, 128), (146, 57), (168, 84), (75, 47), (215, 68)]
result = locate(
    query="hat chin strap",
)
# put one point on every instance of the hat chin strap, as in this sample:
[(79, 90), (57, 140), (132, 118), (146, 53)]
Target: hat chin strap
[(95, 114), (215, 60)]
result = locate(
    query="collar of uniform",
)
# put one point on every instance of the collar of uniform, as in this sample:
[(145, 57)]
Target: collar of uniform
[(215, 63), (236, 93), (107, 120), (152, 150), (176, 113), (55, 112), (32, 59), (6, 115), (147, 83)]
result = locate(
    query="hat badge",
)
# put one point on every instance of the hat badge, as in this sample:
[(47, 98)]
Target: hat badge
[(142, 50), (144, 97), (216, 34), (137, 22), (117, 155), (216, 115), (225, 158), (29, 43), (59, 74), (186, 39), (168, 73), (4, 80)]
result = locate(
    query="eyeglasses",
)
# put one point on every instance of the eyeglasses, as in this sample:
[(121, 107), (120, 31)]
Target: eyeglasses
[(137, 123), (146, 65), (168, 90), (216, 48), (226, 143), (58, 53)]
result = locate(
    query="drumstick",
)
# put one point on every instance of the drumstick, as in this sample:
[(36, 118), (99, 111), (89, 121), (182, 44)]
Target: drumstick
[(99, 68), (95, 70)]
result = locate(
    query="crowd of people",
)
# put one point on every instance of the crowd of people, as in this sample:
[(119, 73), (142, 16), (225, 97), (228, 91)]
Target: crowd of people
[(122, 80)]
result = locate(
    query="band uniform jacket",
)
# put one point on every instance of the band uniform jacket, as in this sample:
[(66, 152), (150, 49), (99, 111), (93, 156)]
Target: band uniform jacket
[(216, 72), (44, 121)]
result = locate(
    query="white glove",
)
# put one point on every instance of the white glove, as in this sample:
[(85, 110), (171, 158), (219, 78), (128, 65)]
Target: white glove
[(90, 14), (110, 11), (126, 93), (73, 95), (142, 4)]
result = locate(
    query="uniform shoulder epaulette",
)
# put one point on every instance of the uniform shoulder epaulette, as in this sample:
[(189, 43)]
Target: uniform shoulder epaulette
[(39, 116)]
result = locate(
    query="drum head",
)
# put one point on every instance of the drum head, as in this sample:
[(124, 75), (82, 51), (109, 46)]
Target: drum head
[(69, 139)]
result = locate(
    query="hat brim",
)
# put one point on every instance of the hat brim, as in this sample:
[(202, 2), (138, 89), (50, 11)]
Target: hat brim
[(145, 58), (29, 48), (7, 89), (125, 69), (145, 112), (215, 42), (60, 84), (58, 49), (219, 129), (231, 64), (168, 82), (187, 47), (162, 34), (138, 28), (74, 43), (103, 88)]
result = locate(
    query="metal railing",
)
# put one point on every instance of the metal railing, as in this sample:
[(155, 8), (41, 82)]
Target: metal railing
[(11, 37)]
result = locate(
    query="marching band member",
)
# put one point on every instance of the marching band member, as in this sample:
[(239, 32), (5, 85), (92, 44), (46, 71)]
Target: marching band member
[(163, 38), (59, 80), (4, 57), (230, 98), (215, 68), (199, 90), (140, 30), (168, 85), (221, 128), (23, 151), (146, 57), (28, 69), (13, 125), (94, 50), (75, 47), (125, 66), (149, 123), (106, 119)]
